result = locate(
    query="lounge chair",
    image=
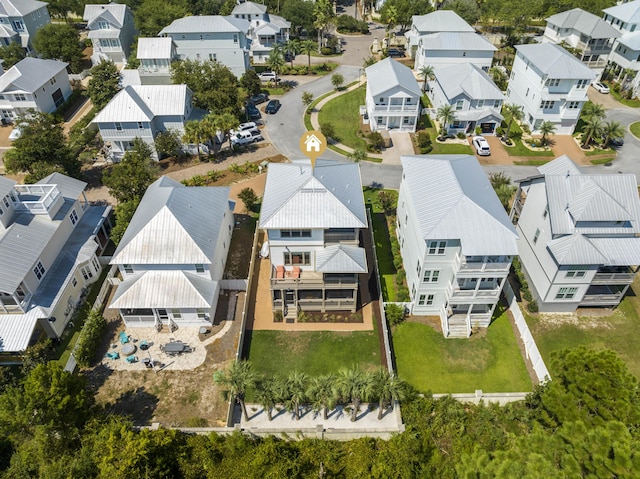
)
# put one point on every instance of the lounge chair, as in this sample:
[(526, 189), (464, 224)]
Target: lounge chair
[(296, 272), (113, 355), (124, 339), (279, 272), (132, 359)]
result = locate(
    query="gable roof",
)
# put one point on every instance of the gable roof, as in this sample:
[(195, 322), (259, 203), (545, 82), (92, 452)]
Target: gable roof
[(468, 79), (154, 48), (341, 259), (207, 23), (6, 186), (456, 41), (441, 21), (250, 8), (299, 196), (144, 102), (627, 12), (584, 22), (630, 40), (453, 199), (30, 74), (174, 224), (114, 13), (555, 61), (19, 8), (387, 74)]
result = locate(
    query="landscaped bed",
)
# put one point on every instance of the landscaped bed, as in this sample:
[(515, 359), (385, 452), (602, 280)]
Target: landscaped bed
[(343, 113), (489, 360)]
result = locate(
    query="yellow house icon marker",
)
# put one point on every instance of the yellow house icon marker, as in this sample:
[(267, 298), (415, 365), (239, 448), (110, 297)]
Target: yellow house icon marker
[(313, 144)]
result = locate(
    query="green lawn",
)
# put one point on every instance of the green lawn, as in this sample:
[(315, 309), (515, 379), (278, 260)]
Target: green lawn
[(447, 149), (343, 112), (618, 332), (386, 269), (520, 150), (489, 360), (635, 129), (624, 101)]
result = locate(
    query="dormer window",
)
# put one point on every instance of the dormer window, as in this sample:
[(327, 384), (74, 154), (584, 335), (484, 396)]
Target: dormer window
[(103, 25), (39, 270)]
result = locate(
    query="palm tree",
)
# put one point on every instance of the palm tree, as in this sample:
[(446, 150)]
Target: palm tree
[(322, 394), (296, 392), (226, 122), (306, 47), (513, 112), (356, 386), (628, 73), (591, 110), (388, 388), (238, 377), (194, 132), (611, 129), (592, 128), (268, 394), (391, 17), (292, 47), (323, 13), (275, 61), (546, 128), (426, 73), (445, 115)]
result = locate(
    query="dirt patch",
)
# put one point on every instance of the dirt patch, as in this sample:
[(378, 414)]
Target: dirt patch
[(556, 320), (334, 317)]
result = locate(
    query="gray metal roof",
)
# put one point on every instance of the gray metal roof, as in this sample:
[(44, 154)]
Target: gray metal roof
[(555, 61), (250, 8), (627, 12), (387, 74), (113, 13), (560, 166), (165, 289), (467, 79), (19, 8), (69, 187), (630, 40), (207, 23), (6, 186), (483, 115), (468, 41), (174, 224), (144, 102), (30, 74), (154, 48), (441, 21), (584, 22), (453, 199), (327, 196), (341, 259)]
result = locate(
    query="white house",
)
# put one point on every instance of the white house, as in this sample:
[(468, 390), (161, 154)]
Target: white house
[(313, 217), (590, 36), (172, 256), (392, 96), (454, 48), (33, 83), (550, 84), (111, 31), (212, 37), (473, 95), (50, 240), (434, 22), (456, 240), (20, 20), (143, 111), (266, 30), (579, 244), (625, 54), (156, 55)]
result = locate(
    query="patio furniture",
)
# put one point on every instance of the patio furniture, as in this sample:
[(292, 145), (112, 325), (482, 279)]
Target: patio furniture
[(204, 330), (124, 339), (148, 363), (279, 272), (296, 272), (132, 359), (174, 348), (113, 355), (129, 349), (144, 345)]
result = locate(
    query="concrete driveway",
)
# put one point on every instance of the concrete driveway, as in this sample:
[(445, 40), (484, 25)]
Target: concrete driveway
[(402, 145), (606, 100)]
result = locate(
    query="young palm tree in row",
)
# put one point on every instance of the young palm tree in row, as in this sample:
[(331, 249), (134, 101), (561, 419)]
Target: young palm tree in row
[(546, 128), (306, 47), (238, 378), (611, 130), (514, 113), (446, 116), (592, 129), (426, 73), (323, 395)]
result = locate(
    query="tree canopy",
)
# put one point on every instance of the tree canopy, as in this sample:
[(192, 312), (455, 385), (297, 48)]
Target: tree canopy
[(153, 15), (104, 84), (129, 179), (11, 54), (60, 41)]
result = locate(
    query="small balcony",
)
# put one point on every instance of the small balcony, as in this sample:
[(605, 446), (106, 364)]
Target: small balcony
[(297, 278), (480, 267), (613, 278), (471, 294), (397, 108)]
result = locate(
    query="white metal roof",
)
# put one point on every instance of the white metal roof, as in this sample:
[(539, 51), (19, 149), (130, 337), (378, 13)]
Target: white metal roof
[(7, 32), (555, 61), (16, 330), (584, 22), (19, 8), (70, 188), (468, 41), (441, 21), (154, 48), (388, 74), (114, 13), (453, 199), (129, 77), (250, 8), (165, 289), (327, 196), (174, 224), (341, 259), (631, 40), (468, 79), (6, 186), (108, 33), (30, 74), (207, 23), (627, 12)]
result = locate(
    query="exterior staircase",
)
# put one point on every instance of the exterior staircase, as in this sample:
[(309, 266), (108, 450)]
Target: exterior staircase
[(457, 327)]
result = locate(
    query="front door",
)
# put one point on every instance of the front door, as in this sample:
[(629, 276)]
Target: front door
[(393, 122), (163, 316), (290, 298)]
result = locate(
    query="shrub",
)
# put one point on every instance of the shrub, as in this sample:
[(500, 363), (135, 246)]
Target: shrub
[(460, 136), (376, 142), (478, 130), (277, 317), (423, 139), (532, 307), (326, 51), (387, 200), (214, 175), (395, 313), (515, 135), (89, 338), (349, 24), (402, 293), (249, 198), (328, 131), (500, 131)]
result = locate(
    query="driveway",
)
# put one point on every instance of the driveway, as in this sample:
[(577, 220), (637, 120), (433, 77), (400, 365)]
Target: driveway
[(606, 100), (402, 145)]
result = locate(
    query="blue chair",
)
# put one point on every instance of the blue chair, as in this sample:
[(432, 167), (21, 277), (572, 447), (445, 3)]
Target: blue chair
[(123, 337), (113, 355), (132, 359)]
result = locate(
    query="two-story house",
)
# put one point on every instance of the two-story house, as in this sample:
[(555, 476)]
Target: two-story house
[(589, 36), (456, 241), (473, 95), (579, 243), (143, 111), (452, 48), (33, 83), (172, 256), (266, 30), (625, 54), (50, 240), (434, 22), (212, 37), (392, 96), (313, 217), (20, 20), (111, 31), (156, 55), (550, 84)]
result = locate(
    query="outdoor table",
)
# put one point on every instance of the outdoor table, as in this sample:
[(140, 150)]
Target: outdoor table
[(128, 349), (174, 347)]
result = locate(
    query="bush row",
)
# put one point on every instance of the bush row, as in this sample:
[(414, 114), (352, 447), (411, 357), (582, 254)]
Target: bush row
[(532, 305), (89, 339)]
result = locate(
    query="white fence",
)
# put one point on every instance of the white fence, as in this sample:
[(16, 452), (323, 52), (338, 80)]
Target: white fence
[(530, 347), (234, 284)]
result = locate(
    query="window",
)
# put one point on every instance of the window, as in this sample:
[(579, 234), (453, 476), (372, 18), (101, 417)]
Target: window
[(39, 270), (202, 315), (103, 26), (73, 216), (418, 268), (74, 282), (300, 258), (53, 80), (199, 268), (480, 103), (140, 124), (20, 97), (295, 233), (426, 299), (535, 236), (18, 25), (566, 293), (176, 314), (6, 201), (573, 104), (381, 100), (95, 264), (422, 299), (553, 82), (582, 84), (127, 268), (86, 273), (118, 126), (431, 276), (527, 93), (545, 213), (436, 247), (1, 212), (235, 38), (577, 271), (380, 119), (497, 103), (212, 57), (459, 104), (547, 105)]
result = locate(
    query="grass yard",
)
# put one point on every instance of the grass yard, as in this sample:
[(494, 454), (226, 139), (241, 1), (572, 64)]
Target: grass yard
[(624, 101), (342, 113), (520, 150), (635, 129), (490, 360), (447, 149), (617, 332)]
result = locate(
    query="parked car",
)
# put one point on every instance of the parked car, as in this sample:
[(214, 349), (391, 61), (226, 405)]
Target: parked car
[(268, 76), (395, 52), (252, 111), (246, 137), (601, 87), (481, 145), (617, 141), (250, 125), (272, 107), (256, 134), (259, 98)]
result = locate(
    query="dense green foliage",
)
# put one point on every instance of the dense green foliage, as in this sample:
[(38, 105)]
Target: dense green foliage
[(153, 15), (60, 41), (104, 84), (129, 179), (90, 338), (11, 54)]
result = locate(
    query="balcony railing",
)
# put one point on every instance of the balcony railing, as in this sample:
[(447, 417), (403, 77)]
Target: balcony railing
[(404, 108), (339, 237), (472, 293), (613, 278), (601, 299), (479, 267)]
